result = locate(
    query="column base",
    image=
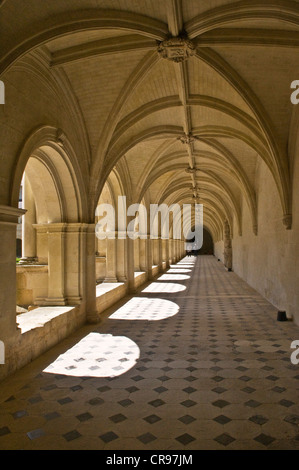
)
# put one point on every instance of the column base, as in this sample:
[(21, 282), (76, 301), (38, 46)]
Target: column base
[(74, 300), (110, 279), (48, 302), (28, 260), (93, 318)]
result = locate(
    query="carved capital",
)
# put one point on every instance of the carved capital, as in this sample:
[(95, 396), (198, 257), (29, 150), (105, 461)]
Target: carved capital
[(187, 139), (176, 49), (287, 221), (60, 137), (191, 170)]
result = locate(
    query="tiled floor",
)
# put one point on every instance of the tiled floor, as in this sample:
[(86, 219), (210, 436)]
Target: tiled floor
[(196, 360)]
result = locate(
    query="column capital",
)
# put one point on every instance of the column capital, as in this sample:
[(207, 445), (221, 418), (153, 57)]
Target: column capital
[(10, 215)]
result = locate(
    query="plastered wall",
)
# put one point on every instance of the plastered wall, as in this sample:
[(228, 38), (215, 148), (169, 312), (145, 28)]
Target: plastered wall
[(269, 260)]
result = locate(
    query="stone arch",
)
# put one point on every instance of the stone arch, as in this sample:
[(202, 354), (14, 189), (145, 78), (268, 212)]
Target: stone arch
[(53, 155), (55, 202)]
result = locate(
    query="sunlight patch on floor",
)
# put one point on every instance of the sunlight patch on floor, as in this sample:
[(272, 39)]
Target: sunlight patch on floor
[(173, 277), (142, 308), (179, 270), (164, 287), (97, 355)]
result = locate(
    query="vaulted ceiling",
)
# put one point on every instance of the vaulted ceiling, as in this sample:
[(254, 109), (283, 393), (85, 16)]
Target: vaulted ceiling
[(188, 95)]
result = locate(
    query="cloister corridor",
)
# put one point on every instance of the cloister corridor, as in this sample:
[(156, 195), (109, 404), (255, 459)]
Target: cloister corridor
[(196, 359)]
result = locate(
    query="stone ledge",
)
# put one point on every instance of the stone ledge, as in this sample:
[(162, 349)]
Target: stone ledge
[(108, 294), (38, 317), (23, 268)]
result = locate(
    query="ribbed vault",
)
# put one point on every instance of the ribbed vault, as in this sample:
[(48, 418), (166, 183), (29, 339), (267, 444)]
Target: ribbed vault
[(163, 92)]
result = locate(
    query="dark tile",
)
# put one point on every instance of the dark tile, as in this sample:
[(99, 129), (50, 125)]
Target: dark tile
[(217, 378), (75, 388), (118, 418), (11, 398), (84, 417), (219, 390), (253, 403), (20, 414), (221, 419), (220, 403), (108, 437), (35, 434), (224, 439), (293, 419), (187, 419), (152, 419), (35, 399), (53, 415), (96, 401), (189, 390), (190, 378), (146, 438), (132, 389), (5, 430), (286, 403), (272, 377), (126, 402), (137, 378), (245, 378), (216, 368), (278, 389), (248, 389), (264, 439), (164, 378), (258, 419), (160, 389), (64, 401), (188, 403), (49, 387), (156, 403), (185, 439), (104, 389)]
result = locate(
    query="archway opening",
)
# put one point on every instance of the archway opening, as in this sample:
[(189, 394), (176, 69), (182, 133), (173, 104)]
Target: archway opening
[(196, 246), (48, 271), (207, 244)]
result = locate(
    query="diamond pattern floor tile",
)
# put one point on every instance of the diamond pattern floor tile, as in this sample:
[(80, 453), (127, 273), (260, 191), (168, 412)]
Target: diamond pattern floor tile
[(209, 370)]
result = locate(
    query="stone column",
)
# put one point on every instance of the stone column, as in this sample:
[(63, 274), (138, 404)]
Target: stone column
[(165, 252), (130, 260), (41, 235), (74, 263), (227, 247), (111, 257), (178, 243), (89, 293), (170, 251), (157, 252), (143, 258), (56, 264), (182, 245), (8, 224), (150, 262), (137, 255), (167, 255), (121, 257), (28, 221), (175, 251), (101, 247)]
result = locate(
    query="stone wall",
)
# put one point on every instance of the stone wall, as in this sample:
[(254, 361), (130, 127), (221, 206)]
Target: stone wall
[(269, 261), (32, 282)]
